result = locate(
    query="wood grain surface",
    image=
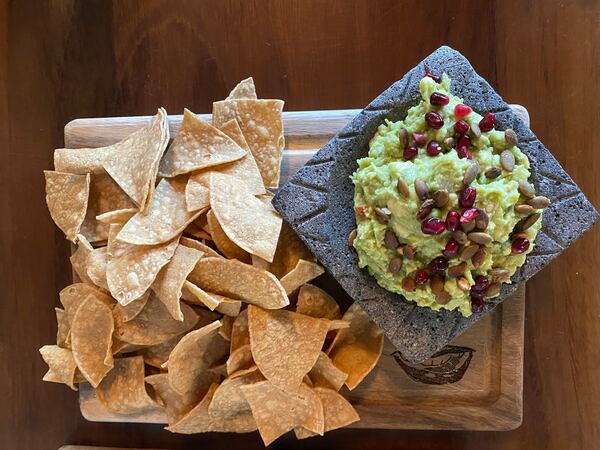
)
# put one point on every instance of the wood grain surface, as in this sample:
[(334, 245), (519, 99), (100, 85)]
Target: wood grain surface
[(62, 59), (486, 396)]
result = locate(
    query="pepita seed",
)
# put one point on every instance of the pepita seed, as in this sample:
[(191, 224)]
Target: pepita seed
[(425, 209), (493, 172), (449, 142), (442, 297), (492, 290), (440, 198), (478, 258), (351, 238), (539, 202), (480, 238), (395, 265), (475, 130), (408, 284), (460, 237), (403, 137), (523, 208), (403, 188), (463, 284), (529, 221), (511, 137), (437, 282), (458, 270), (408, 252), (507, 160), (499, 274), (471, 173), (482, 220), (526, 189), (468, 252), (390, 240), (468, 226), (421, 189), (382, 214)]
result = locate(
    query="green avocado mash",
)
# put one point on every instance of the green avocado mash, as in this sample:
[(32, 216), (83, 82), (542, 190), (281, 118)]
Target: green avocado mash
[(396, 265)]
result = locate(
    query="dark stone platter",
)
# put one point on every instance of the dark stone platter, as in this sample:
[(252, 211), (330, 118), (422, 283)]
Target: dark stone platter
[(318, 204)]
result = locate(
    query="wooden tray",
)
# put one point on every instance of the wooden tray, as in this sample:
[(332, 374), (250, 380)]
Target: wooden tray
[(475, 383)]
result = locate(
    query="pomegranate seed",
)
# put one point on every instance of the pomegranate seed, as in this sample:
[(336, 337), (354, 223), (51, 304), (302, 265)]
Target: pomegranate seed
[(519, 245), (361, 210), (466, 197), (439, 99), (421, 277), (452, 220), (463, 153), (464, 141), (481, 284), (433, 226), (435, 78), (476, 304), (469, 215), (409, 153), (451, 248), (433, 148), (419, 138), (488, 122), (438, 264), (461, 127), (434, 120), (461, 111)]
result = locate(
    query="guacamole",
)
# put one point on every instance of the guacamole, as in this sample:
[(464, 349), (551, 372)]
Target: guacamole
[(444, 211)]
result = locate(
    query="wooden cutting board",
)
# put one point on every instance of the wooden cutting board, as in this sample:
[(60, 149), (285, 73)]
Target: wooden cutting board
[(475, 383)]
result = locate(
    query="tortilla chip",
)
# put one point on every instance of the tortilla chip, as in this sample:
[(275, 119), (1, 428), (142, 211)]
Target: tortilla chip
[(97, 261), (241, 281), (133, 309), (166, 217), (67, 198), (75, 294), (157, 355), (176, 405), (240, 359), (200, 246), (133, 163), (198, 145), (223, 243), (244, 219), (169, 281), (123, 390), (81, 160), (132, 269), (91, 339), (79, 258), (304, 272), (61, 365), (244, 89), (117, 216), (240, 335), (276, 412), (315, 302), (197, 232), (198, 296), (225, 328), (356, 350), (227, 306), (245, 168), (63, 330), (229, 404), (153, 325), (324, 373), (193, 355), (196, 194), (105, 197), (262, 125), (290, 250), (285, 345), (338, 324)]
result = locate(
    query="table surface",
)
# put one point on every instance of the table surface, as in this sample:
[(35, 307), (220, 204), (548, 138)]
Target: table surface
[(65, 59)]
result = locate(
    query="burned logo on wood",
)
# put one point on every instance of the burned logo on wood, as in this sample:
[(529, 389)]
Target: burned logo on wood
[(449, 365)]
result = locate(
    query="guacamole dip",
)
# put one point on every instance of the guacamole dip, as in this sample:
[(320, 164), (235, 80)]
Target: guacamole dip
[(444, 209)]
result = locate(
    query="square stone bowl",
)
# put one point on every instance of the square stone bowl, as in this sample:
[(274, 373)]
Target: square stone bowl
[(318, 204)]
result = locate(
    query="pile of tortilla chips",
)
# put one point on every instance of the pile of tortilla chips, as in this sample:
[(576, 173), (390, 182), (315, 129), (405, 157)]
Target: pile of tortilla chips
[(192, 296)]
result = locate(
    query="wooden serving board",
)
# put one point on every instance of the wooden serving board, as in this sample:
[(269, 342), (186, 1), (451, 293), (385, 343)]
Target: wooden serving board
[(475, 383)]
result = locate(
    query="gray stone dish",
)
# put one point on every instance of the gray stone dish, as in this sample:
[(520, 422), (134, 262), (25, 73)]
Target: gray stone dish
[(318, 204)]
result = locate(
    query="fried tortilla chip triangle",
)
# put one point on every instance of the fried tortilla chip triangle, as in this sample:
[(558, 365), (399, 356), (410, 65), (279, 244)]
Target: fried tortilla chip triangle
[(61, 365), (67, 198), (244, 89)]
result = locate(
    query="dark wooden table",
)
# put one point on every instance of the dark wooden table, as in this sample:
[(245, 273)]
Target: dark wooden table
[(64, 59)]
